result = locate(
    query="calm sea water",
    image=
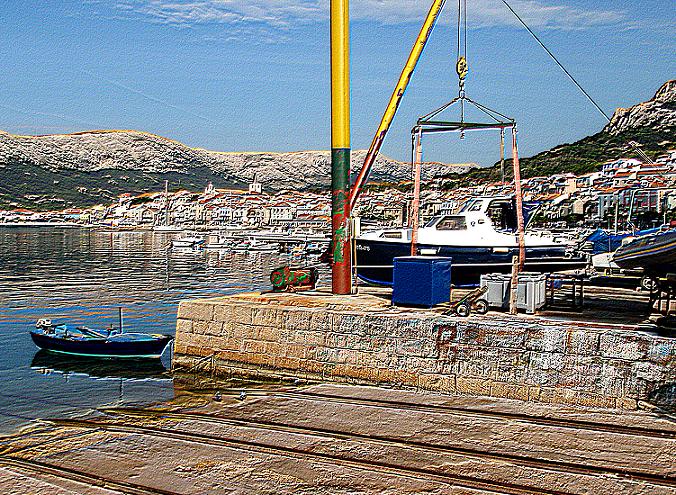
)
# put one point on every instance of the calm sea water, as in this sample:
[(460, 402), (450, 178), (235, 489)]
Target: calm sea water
[(82, 277)]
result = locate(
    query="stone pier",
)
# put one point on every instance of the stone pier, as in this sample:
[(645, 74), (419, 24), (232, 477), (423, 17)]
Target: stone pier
[(363, 339)]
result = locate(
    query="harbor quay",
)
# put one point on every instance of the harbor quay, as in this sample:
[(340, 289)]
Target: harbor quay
[(366, 340)]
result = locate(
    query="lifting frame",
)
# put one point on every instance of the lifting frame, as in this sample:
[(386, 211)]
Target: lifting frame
[(428, 124)]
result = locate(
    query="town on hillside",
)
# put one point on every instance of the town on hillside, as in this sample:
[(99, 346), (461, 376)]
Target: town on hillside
[(623, 194)]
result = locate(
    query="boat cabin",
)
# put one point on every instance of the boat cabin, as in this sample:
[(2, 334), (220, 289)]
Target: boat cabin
[(495, 214), (501, 211)]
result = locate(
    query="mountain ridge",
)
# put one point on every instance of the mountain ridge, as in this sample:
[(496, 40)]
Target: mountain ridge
[(89, 167), (86, 167)]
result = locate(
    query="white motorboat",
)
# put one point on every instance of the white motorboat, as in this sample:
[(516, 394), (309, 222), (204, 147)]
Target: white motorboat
[(480, 239), (253, 245), (190, 241)]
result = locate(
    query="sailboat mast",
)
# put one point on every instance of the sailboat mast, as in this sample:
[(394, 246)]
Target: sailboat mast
[(166, 202)]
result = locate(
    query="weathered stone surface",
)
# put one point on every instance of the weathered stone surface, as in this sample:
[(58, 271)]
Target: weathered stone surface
[(195, 310), (343, 338), (365, 440)]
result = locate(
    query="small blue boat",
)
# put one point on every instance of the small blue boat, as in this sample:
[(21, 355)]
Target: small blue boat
[(110, 343)]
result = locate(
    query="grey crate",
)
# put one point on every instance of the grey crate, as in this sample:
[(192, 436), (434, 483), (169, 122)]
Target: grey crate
[(498, 289), (531, 294)]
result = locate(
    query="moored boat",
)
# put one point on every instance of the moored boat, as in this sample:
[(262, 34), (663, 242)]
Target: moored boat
[(480, 239), (85, 341), (167, 228), (655, 253), (253, 245), (190, 241)]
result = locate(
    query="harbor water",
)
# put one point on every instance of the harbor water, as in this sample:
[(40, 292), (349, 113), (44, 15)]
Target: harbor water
[(81, 277)]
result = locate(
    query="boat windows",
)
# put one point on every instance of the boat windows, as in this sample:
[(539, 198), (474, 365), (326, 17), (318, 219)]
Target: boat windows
[(503, 215), (452, 223), (473, 205)]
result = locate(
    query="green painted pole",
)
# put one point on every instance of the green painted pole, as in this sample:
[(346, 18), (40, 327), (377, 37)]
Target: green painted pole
[(341, 269)]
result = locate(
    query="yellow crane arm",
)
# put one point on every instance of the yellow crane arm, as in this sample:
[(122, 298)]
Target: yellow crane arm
[(395, 99)]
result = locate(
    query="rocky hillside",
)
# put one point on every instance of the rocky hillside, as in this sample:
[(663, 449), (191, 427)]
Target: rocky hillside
[(90, 167), (658, 113), (651, 124)]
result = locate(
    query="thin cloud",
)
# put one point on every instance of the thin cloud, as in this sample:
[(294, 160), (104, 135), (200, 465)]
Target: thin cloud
[(150, 97), (285, 14), (57, 116)]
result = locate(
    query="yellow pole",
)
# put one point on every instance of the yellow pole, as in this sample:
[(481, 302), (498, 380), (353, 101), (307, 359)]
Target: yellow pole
[(341, 270), (340, 74)]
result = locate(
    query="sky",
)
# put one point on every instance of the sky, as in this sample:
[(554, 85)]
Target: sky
[(235, 75)]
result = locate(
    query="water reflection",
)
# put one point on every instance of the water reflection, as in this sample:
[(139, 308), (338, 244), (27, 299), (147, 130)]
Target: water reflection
[(45, 362), (81, 277)]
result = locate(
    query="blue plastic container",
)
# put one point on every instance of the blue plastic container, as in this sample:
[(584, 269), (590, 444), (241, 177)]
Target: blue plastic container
[(421, 281)]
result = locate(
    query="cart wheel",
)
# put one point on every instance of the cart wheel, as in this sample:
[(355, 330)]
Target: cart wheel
[(481, 306), (648, 283), (463, 310)]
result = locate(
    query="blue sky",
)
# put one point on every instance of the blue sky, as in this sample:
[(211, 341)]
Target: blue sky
[(235, 76)]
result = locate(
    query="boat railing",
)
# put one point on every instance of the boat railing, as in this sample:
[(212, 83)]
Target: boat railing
[(475, 265)]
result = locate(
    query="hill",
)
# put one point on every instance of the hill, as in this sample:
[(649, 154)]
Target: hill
[(85, 168), (651, 124)]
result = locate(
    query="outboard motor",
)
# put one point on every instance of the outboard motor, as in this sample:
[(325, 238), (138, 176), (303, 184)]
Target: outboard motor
[(45, 324)]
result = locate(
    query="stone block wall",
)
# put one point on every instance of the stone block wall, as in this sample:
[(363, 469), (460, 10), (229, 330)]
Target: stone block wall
[(333, 338)]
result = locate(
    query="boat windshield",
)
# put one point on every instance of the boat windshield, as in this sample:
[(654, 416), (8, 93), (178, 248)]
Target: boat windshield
[(433, 221), (503, 215), (473, 205), (452, 223)]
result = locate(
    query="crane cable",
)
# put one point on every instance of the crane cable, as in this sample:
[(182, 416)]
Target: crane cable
[(633, 144), (461, 67)]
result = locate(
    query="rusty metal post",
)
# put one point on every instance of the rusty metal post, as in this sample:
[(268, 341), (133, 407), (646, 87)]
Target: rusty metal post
[(340, 148), (514, 286), (502, 157)]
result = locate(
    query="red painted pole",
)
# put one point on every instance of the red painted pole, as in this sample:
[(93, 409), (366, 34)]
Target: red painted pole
[(521, 228), (415, 205)]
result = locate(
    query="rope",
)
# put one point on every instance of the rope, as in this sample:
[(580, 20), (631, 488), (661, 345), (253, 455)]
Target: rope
[(461, 51), (570, 76), (457, 53), (465, 28)]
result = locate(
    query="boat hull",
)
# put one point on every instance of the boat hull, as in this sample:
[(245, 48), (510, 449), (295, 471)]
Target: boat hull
[(375, 259), (151, 346), (185, 244), (654, 253)]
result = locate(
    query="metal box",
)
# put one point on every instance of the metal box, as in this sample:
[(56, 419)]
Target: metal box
[(421, 280), (498, 289), (530, 293)]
